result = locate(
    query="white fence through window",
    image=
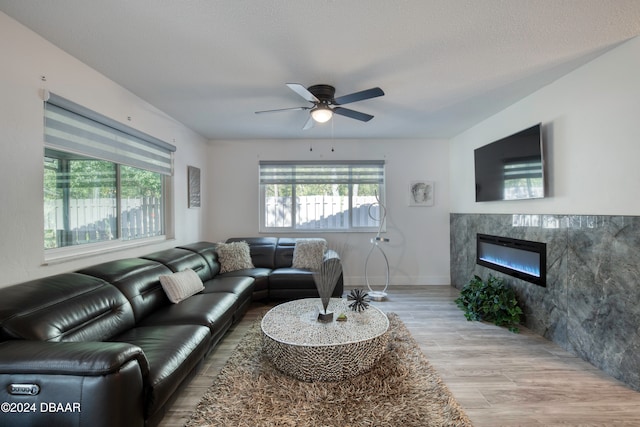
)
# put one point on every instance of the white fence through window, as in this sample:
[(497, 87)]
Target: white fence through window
[(95, 220), (321, 212)]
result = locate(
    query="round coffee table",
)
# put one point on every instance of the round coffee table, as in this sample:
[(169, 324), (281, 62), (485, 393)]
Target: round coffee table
[(301, 346)]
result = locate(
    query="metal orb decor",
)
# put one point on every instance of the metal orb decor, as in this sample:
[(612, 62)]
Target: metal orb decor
[(360, 300)]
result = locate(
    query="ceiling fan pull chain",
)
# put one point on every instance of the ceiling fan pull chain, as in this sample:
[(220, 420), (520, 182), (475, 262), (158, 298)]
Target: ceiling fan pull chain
[(332, 136)]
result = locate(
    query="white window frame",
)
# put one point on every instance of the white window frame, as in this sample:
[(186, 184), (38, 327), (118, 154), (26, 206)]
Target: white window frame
[(347, 177), (88, 133)]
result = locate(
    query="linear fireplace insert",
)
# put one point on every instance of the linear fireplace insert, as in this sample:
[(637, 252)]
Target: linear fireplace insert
[(523, 259)]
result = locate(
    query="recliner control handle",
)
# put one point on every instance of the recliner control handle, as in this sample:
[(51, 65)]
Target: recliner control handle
[(23, 389)]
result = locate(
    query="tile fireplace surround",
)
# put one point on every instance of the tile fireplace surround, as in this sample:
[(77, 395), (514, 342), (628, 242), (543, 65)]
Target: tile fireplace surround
[(591, 305)]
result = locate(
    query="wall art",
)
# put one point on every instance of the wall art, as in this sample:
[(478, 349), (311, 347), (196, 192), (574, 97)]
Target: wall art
[(193, 175), (421, 193)]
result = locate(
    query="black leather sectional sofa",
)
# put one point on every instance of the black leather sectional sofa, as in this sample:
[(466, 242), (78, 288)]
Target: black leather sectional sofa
[(104, 346)]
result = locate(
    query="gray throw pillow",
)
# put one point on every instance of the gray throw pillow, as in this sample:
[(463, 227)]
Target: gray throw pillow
[(234, 256), (308, 253), (180, 286)]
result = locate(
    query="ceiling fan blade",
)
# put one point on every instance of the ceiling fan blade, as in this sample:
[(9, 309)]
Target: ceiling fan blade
[(283, 109), (353, 114), (310, 123), (303, 92), (358, 96)]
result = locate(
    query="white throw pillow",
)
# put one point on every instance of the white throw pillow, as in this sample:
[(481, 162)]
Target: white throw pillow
[(308, 253), (234, 256), (180, 286)]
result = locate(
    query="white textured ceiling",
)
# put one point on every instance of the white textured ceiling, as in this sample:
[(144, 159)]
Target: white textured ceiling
[(443, 64)]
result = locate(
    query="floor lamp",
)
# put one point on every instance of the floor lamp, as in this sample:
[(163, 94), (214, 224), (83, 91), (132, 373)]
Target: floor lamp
[(376, 243)]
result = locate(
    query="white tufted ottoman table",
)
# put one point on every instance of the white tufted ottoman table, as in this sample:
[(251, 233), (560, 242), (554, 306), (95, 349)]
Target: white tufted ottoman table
[(309, 350)]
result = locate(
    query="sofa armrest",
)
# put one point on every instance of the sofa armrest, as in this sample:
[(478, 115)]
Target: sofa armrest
[(84, 384), (69, 358)]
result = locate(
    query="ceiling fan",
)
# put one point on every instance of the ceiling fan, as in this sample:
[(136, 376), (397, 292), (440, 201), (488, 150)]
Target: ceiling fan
[(325, 105)]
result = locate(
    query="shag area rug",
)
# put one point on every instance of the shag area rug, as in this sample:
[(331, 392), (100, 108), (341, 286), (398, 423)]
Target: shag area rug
[(402, 389)]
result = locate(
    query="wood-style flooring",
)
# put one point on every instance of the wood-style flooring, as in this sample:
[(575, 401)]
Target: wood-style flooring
[(500, 378)]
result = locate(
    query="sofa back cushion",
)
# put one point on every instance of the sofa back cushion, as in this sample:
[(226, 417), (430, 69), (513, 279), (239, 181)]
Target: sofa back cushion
[(262, 250), (207, 250), (284, 252), (64, 307), (138, 279), (179, 259)]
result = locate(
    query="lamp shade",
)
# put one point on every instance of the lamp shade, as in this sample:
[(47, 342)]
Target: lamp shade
[(321, 114)]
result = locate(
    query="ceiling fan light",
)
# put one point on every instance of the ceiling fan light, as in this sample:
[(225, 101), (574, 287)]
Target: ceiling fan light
[(321, 114)]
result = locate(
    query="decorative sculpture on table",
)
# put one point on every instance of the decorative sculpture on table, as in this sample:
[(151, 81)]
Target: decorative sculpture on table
[(326, 278), (375, 244), (360, 300)]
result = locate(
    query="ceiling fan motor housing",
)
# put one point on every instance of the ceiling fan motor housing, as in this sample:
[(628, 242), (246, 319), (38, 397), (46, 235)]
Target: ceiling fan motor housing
[(325, 93)]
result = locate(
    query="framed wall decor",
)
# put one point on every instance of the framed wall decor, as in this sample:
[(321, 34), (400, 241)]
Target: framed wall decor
[(421, 193), (193, 176)]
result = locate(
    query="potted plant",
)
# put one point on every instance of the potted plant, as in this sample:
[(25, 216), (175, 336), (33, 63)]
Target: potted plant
[(490, 301)]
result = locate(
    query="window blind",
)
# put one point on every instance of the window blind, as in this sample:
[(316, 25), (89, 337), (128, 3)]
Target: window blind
[(347, 172), (73, 128)]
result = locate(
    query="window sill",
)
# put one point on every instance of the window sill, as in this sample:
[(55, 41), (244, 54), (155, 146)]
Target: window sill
[(316, 230), (72, 253)]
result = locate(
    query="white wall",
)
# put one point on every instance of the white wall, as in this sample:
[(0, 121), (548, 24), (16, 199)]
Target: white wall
[(591, 119), (419, 247), (26, 57)]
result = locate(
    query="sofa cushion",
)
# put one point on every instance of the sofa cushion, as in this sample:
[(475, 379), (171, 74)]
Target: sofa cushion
[(65, 307), (234, 256), (137, 278), (206, 250), (178, 259), (180, 286), (294, 283), (308, 253), (284, 252), (173, 352), (292, 278), (242, 286), (213, 310), (260, 275)]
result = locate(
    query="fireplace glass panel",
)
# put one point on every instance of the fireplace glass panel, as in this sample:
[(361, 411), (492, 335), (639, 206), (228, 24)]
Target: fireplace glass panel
[(523, 259), (515, 259)]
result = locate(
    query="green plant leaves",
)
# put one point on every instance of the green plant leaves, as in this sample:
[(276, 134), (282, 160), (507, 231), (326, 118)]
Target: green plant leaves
[(490, 301)]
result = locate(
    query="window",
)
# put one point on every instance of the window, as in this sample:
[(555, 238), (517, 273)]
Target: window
[(321, 196), (103, 181)]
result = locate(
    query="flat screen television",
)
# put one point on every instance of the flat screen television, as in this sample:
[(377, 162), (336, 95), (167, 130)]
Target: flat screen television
[(511, 168)]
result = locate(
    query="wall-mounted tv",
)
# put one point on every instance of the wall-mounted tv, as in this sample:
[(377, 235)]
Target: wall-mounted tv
[(511, 168)]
